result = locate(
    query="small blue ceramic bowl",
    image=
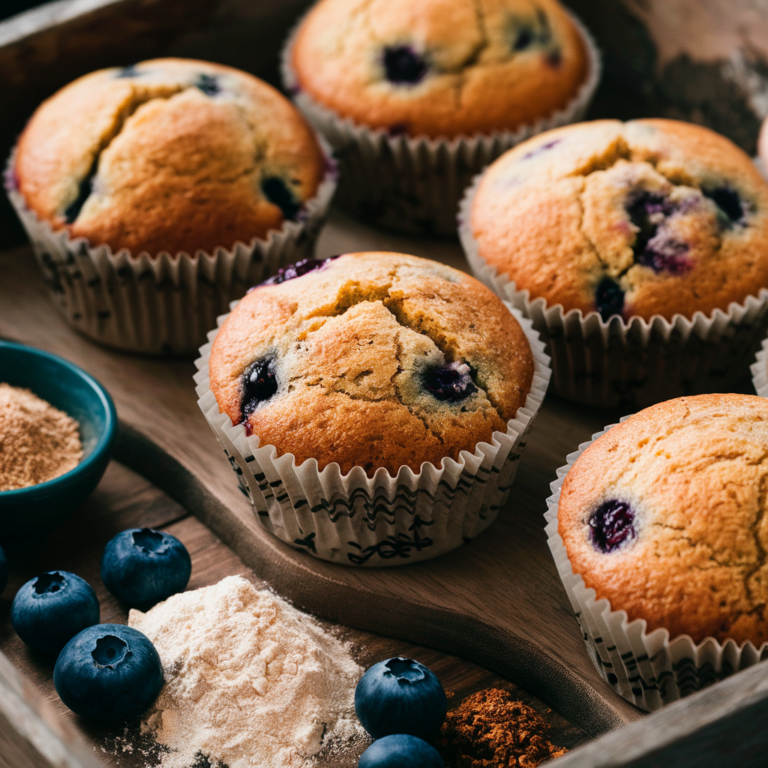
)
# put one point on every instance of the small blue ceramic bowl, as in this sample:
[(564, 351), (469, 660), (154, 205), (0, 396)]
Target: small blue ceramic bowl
[(32, 512)]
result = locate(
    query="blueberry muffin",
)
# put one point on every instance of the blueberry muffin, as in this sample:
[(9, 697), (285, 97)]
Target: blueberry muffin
[(371, 360), (168, 155), (637, 219), (440, 68), (664, 517)]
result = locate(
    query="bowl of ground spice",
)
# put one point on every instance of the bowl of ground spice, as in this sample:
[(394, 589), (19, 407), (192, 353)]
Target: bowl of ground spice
[(57, 429)]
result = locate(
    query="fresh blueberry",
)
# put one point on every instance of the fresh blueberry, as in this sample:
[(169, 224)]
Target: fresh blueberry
[(142, 567), (452, 382), (403, 65), (259, 385), (728, 202), (108, 672), (400, 751), (400, 696), (3, 571), (298, 269), (278, 193), (51, 609), (208, 84), (612, 525), (609, 298)]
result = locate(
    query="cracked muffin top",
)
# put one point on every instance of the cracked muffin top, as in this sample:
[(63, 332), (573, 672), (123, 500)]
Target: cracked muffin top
[(168, 155), (650, 217), (440, 67), (665, 517), (371, 360)]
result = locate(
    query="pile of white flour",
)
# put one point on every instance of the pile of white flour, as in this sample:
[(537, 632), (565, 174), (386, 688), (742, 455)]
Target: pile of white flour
[(250, 681)]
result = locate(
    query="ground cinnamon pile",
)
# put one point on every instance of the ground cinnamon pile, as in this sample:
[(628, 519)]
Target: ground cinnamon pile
[(492, 730), (37, 441)]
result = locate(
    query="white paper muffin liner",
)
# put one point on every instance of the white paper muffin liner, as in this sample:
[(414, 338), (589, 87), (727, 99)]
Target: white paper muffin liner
[(166, 304), (634, 363), (380, 520), (649, 669), (414, 185), (759, 370)]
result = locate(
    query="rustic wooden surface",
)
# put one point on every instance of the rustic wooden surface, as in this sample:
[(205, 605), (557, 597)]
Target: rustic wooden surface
[(124, 500), (497, 601)]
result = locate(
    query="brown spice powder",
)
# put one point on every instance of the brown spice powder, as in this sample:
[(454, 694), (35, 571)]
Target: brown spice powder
[(37, 441), (492, 730)]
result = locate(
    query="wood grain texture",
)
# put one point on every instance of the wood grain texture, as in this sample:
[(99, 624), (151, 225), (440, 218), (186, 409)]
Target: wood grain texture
[(497, 601), (124, 500), (31, 735)]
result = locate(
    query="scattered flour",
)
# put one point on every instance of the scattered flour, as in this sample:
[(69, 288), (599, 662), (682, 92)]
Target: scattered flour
[(250, 681)]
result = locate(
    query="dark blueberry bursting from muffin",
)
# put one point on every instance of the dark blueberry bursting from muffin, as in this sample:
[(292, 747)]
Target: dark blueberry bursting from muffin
[(524, 39), (208, 84), (129, 71), (450, 383), (298, 269), (543, 148), (609, 298), (648, 211), (259, 385), (403, 65), (72, 211), (278, 193), (555, 58), (728, 202), (612, 525)]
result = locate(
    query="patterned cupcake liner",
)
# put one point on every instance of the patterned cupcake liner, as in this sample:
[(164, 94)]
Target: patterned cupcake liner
[(382, 520), (164, 304), (649, 669), (635, 363), (759, 370), (414, 185)]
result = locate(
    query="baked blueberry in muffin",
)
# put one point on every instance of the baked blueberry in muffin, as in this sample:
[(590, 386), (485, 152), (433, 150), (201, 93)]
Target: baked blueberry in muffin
[(663, 516), (168, 155), (650, 217), (372, 360), (440, 67)]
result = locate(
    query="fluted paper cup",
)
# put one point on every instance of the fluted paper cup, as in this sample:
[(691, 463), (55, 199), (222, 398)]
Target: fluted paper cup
[(382, 520)]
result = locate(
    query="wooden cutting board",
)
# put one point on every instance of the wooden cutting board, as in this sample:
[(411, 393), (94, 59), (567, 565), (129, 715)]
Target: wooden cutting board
[(497, 601)]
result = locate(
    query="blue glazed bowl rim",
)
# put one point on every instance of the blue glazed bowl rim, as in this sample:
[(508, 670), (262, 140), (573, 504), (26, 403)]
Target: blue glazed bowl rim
[(103, 444)]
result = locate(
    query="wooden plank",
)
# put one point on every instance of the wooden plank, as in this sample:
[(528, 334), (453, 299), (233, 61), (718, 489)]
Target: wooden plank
[(124, 499), (720, 726)]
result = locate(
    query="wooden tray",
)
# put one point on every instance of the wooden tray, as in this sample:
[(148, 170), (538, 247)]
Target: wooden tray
[(496, 602)]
